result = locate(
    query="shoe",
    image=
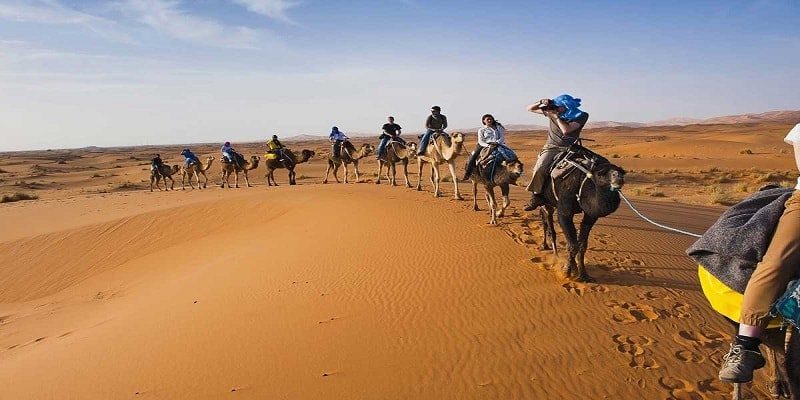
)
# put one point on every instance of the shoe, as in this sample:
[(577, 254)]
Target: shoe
[(536, 201), (738, 365)]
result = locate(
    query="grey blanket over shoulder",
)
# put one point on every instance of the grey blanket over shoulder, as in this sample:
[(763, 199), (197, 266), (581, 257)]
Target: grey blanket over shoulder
[(735, 244)]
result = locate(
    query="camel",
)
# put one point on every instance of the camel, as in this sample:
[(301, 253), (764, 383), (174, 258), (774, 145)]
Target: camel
[(348, 155), (505, 175), (195, 169), (595, 194), (163, 172), (441, 151), (782, 351), (229, 168), (396, 153), (289, 162)]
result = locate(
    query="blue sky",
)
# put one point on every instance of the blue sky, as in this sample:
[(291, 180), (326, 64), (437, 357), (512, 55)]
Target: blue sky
[(78, 73)]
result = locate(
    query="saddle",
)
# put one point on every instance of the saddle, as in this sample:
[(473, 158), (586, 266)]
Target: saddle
[(575, 158)]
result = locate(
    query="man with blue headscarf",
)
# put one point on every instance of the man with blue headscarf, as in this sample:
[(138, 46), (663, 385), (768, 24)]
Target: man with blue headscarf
[(566, 123)]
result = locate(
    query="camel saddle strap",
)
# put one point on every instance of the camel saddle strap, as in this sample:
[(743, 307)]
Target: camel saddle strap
[(487, 156), (568, 161)]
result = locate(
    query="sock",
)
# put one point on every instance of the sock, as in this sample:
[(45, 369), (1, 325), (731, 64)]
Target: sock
[(749, 343)]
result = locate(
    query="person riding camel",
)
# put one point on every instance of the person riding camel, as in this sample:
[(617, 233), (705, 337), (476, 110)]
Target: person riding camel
[(779, 265), (189, 157), (491, 134), (275, 147), (156, 163), (337, 138), (566, 123), (229, 154), (391, 132), (435, 124)]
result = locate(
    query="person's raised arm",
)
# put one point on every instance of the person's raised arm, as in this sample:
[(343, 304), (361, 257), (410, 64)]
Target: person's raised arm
[(429, 122), (537, 107)]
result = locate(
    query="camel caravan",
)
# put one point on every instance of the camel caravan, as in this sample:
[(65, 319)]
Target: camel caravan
[(569, 179)]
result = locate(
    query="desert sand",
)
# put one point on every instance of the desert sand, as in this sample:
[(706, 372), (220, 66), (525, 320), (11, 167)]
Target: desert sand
[(361, 291)]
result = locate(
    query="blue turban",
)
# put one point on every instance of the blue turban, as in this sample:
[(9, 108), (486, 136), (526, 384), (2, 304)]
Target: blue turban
[(571, 105)]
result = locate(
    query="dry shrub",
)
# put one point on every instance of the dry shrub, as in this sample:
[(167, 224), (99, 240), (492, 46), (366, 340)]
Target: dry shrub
[(724, 198), (746, 151), (742, 188), (19, 196), (637, 155), (657, 193)]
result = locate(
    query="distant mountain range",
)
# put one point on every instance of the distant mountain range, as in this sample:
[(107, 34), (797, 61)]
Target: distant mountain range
[(786, 116)]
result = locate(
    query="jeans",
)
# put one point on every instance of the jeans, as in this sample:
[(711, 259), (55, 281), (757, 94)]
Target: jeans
[(336, 148), (423, 143), (382, 145)]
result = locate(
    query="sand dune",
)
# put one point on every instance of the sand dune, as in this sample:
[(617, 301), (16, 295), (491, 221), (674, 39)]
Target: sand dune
[(344, 291)]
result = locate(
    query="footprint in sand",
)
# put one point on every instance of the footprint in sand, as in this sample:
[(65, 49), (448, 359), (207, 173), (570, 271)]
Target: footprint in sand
[(652, 295), (681, 310), (700, 339), (579, 289), (689, 356), (635, 347), (628, 313), (680, 389)]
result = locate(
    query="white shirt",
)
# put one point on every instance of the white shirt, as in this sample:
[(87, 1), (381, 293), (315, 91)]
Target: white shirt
[(794, 138), (488, 135)]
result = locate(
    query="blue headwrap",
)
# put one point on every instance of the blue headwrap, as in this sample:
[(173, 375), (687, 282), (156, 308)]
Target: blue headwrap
[(571, 104)]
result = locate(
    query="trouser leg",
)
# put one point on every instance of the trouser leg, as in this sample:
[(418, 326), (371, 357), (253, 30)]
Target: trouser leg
[(473, 159), (781, 263), (541, 170)]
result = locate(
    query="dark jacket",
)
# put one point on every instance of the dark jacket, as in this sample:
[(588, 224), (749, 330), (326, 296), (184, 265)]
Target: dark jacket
[(736, 243)]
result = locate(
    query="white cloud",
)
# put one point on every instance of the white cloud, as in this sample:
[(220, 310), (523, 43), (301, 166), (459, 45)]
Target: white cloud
[(275, 9), (167, 17), (54, 13)]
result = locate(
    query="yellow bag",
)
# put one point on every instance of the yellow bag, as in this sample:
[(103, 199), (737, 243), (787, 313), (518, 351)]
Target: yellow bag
[(723, 299), (270, 156)]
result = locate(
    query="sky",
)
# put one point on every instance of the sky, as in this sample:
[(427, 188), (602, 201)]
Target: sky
[(130, 72)]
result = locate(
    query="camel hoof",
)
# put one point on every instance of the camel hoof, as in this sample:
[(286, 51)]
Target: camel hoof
[(377, 182), (475, 208), (585, 278), (458, 197), (408, 185), (545, 246)]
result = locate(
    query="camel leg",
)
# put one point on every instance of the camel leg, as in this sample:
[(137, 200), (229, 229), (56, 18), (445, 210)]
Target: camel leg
[(223, 179), (568, 227), (405, 172), (475, 195), (327, 170), (151, 183), (394, 174), (355, 166), (172, 183), (380, 169), (492, 204), (419, 174), (549, 229), (587, 223), (247, 179), (197, 177), (452, 166), (236, 179), (346, 172), (435, 179), (183, 181), (336, 172), (292, 176), (504, 190)]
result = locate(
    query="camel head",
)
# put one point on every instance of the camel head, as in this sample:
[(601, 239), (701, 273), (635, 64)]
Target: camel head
[(515, 170), (412, 149), (367, 149), (175, 168), (610, 175), (458, 137), (307, 155)]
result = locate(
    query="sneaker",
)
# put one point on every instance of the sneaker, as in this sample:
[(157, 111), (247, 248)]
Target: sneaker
[(738, 365)]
